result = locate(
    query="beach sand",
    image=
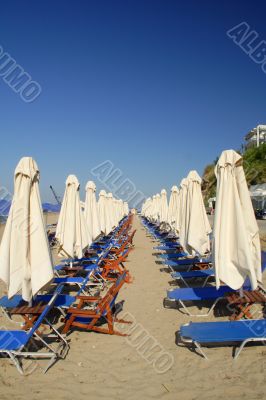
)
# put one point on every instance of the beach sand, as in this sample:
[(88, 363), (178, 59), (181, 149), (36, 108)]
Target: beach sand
[(110, 367)]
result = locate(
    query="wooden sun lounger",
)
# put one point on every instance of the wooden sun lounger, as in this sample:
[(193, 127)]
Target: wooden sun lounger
[(89, 319)]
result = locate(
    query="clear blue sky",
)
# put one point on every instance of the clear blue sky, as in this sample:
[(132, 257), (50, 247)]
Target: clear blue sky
[(156, 86)]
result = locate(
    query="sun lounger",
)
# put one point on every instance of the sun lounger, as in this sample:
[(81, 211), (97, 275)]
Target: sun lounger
[(185, 276), (16, 343), (89, 319), (184, 295), (16, 305), (170, 247), (236, 333), (204, 274), (187, 261), (170, 256), (198, 294), (62, 302)]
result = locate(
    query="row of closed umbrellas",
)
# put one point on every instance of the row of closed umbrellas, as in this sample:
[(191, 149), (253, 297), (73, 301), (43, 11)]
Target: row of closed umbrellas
[(77, 229), (26, 264), (185, 215), (235, 249)]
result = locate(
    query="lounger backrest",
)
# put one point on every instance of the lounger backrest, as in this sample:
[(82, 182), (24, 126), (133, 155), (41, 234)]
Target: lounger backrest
[(104, 254), (46, 310), (84, 283), (110, 296)]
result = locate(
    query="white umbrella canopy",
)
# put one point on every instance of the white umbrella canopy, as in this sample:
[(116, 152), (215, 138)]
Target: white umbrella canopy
[(147, 208), (118, 210), (25, 258), (91, 211), (198, 228), (101, 205), (104, 214), (181, 220), (115, 211), (173, 209), (121, 213), (236, 244), (152, 210), (72, 232), (126, 208), (163, 206), (157, 207), (111, 210)]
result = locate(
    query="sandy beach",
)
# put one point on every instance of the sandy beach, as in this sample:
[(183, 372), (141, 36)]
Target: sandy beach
[(116, 163), (110, 367)]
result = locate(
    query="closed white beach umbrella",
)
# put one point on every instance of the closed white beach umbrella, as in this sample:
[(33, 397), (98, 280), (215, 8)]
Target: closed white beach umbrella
[(173, 209), (157, 207), (121, 210), (91, 211), (236, 247), (101, 210), (72, 232), (147, 208), (197, 237), (104, 214), (25, 259), (115, 211), (111, 210), (154, 209), (126, 208), (181, 220), (152, 212), (163, 206)]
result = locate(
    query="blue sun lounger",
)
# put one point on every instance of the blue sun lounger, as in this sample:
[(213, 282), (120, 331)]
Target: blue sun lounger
[(170, 256), (86, 263), (183, 295), (185, 264), (166, 247), (86, 260), (223, 333), (14, 343), (62, 301), (198, 294), (205, 274), (83, 282)]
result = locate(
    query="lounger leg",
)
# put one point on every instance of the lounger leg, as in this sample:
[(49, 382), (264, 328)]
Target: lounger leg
[(16, 362), (243, 344), (200, 315), (206, 281), (64, 341), (198, 346)]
